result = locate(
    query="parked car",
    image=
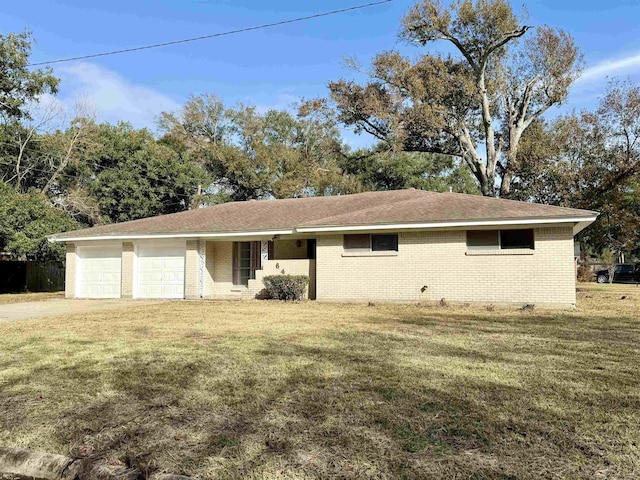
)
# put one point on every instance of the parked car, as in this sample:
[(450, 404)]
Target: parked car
[(624, 273)]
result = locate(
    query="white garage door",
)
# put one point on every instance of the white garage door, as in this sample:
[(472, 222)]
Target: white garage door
[(160, 272), (98, 274)]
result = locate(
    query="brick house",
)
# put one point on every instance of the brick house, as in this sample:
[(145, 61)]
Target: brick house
[(404, 245)]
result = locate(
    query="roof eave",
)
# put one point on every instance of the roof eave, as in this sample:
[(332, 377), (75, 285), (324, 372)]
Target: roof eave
[(579, 224), (583, 222), (259, 233)]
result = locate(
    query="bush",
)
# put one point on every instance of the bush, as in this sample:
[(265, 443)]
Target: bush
[(285, 287), (585, 274)]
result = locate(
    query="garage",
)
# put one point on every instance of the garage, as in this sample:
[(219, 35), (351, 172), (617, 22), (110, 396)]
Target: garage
[(160, 272), (99, 272)]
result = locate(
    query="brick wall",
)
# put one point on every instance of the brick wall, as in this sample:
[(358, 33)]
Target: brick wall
[(126, 283), (70, 271), (192, 270), (288, 249), (434, 265), (223, 271)]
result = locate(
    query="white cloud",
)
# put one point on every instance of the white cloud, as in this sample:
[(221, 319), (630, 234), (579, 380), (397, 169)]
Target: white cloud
[(611, 67), (281, 101), (111, 96)]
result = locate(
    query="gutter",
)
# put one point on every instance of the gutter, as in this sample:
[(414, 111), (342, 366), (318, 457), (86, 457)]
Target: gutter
[(579, 224), (267, 233)]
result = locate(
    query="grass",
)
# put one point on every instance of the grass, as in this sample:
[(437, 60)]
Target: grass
[(7, 298), (272, 390)]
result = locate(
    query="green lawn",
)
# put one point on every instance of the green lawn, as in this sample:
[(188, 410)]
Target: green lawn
[(311, 390)]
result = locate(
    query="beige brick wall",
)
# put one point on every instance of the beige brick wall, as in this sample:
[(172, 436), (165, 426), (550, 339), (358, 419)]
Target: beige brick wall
[(71, 263), (192, 270), (440, 262), (223, 271), (288, 249), (126, 282)]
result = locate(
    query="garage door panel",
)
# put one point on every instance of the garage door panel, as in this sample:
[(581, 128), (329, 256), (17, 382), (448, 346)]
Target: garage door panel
[(99, 272), (110, 278), (161, 272)]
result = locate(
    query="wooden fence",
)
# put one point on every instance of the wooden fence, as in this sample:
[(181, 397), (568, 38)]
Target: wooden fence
[(20, 276), (44, 277)]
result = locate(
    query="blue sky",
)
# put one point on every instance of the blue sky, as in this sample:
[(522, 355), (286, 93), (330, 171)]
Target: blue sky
[(272, 67)]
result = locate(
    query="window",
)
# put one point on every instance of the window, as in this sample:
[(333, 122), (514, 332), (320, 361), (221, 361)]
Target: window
[(483, 240), (624, 269), (516, 239), (384, 243), (500, 239), (357, 242), (371, 243), (246, 260)]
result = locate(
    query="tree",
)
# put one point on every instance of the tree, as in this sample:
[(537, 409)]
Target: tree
[(609, 259), (591, 160), (383, 169), (132, 176), (19, 85), (26, 220), (486, 97), (257, 155)]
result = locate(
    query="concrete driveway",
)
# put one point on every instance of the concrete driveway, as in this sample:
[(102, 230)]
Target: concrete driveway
[(52, 308)]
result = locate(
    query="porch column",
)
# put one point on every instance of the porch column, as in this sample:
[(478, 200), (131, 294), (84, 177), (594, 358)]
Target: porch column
[(126, 282), (264, 252), (70, 271), (192, 270)]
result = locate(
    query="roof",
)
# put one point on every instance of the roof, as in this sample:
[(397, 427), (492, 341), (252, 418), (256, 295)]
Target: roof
[(370, 209)]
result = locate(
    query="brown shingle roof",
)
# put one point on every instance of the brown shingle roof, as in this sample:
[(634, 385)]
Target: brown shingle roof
[(371, 208)]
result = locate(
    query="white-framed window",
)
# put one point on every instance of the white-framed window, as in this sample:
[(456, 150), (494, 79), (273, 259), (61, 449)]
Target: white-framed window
[(521, 238), (364, 242)]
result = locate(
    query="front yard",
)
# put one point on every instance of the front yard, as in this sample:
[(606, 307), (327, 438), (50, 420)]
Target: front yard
[(272, 390), (10, 298)]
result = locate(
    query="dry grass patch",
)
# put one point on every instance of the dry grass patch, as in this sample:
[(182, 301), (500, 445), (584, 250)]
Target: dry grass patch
[(7, 298), (274, 390)]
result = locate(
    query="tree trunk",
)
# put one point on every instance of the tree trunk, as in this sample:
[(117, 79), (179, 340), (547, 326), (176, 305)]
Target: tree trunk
[(505, 185)]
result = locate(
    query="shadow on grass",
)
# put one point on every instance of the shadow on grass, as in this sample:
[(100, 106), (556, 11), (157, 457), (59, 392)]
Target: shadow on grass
[(364, 404)]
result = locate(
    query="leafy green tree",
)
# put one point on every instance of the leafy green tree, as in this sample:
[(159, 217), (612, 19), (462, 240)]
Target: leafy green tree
[(20, 90), (132, 176), (483, 98), (591, 160), (258, 155), (26, 220), (20, 85), (380, 169)]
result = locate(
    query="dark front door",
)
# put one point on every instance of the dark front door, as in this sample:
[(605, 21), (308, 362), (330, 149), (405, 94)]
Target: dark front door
[(311, 248)]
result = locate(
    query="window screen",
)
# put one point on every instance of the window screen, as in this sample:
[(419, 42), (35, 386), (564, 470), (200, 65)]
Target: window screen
[(482, 240), (384, 243), (516, 238), (356, 242)]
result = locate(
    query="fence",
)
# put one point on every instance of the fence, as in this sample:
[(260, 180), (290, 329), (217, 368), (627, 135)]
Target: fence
[(44, 277), (18, 276)]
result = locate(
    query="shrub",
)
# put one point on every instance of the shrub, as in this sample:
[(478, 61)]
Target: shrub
[(285, 287), (585, 274)]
